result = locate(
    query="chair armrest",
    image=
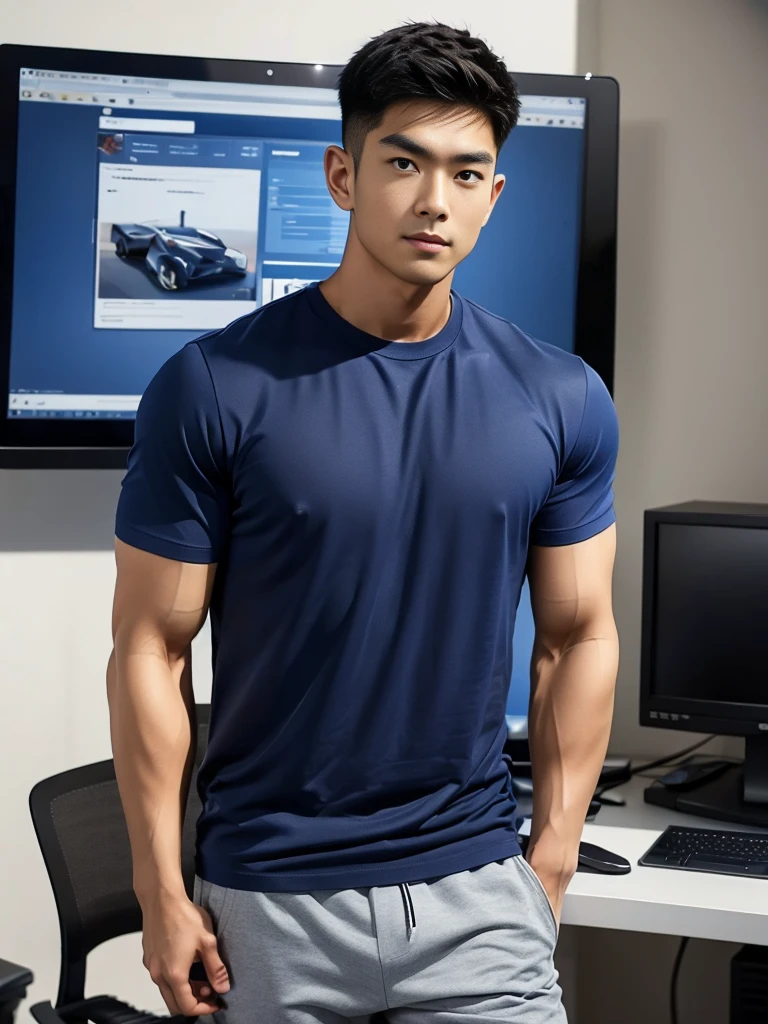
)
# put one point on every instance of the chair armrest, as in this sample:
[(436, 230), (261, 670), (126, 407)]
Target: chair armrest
[(44, 1013), (14, 981)]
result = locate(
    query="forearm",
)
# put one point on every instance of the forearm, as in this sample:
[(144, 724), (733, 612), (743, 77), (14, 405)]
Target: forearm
[(569, 727), (153, 733)]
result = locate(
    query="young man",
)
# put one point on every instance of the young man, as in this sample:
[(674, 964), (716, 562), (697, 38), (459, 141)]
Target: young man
[(355, 479)]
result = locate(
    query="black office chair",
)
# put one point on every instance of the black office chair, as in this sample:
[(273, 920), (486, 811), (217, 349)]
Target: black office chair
[(79, 821), (14, 982)]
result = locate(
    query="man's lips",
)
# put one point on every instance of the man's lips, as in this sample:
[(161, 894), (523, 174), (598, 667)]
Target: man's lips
[(427, 243)]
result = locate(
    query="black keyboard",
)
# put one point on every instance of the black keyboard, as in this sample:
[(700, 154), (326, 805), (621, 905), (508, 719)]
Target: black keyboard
[(706, 849)]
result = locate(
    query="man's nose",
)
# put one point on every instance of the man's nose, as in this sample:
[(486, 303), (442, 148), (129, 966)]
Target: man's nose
[(432, 202)]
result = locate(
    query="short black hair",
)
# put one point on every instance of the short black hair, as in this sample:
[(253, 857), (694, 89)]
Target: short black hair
[(424, 60)]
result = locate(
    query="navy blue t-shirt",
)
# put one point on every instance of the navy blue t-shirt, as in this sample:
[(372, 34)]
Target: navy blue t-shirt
[(370, 505)]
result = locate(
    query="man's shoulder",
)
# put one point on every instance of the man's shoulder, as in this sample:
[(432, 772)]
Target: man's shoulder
[(254, 330), (540, 360)]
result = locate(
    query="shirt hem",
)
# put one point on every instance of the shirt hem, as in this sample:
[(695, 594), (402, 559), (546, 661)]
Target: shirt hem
[(164, 547), (554, 538), (362, 876)]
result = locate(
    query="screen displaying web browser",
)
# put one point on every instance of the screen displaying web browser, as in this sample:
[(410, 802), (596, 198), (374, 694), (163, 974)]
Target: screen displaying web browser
[(150, 211)]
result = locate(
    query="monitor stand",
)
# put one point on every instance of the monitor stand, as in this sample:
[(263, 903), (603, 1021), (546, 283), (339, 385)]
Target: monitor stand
[(723, 798)]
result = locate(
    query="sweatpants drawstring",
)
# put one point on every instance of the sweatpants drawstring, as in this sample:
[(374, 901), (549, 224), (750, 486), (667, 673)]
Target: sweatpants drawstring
[(410, 913)]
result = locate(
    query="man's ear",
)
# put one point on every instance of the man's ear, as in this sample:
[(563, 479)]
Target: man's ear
[(496, 190), (340, 176)]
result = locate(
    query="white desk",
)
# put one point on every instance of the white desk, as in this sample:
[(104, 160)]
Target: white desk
[(662, 900)]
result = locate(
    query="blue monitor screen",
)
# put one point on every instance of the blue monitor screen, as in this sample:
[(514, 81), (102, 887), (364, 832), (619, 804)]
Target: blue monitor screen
[(149, 211)]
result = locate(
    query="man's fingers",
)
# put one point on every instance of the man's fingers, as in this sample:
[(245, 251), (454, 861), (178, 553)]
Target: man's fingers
[(207, 1001), (215, 969), (182, 992), (201, 989), (168, 997), (188, 1001)]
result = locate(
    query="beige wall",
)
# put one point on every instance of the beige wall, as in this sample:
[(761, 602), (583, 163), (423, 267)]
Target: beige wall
[(56, 565), (530, 36), (692, 363), (692, 332)]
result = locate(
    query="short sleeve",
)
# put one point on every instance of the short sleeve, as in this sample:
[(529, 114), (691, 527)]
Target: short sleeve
[(581, 503), (174, 500)]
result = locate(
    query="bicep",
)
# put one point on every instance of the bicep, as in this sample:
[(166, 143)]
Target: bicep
[(159, 602), (571, 590)]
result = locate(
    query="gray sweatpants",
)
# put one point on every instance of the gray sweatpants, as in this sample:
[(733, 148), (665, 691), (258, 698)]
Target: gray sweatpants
[(472, 947)]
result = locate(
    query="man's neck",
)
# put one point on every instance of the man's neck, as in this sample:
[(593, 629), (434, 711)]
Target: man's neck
[(372, 299)]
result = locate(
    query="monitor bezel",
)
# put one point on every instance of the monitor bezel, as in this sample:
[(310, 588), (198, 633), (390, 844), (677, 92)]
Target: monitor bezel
[(683, 713), (98, 443)]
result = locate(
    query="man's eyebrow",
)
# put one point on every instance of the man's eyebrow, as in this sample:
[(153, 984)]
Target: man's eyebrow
[(399, 141)]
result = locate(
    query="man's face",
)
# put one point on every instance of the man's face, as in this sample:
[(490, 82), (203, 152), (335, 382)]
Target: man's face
[(423, 189)]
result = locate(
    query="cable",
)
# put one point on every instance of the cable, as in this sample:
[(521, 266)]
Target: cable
[(673, 983), (641, 769), (672, 757)]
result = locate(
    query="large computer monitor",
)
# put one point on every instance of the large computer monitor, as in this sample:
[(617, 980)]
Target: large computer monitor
[(704, 661), (120, 170), (152, 198)]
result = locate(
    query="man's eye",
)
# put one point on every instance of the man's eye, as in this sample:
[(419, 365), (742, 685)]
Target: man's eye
[(402, 163), (477, 177)]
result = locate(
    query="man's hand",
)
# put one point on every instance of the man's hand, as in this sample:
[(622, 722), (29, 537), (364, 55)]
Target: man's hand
[(177, 933), (555, 872)]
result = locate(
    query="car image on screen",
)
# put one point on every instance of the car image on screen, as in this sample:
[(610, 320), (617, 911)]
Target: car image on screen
[(177, 255)]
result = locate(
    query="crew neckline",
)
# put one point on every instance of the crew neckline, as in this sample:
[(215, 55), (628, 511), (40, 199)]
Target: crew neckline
[(380, 346)]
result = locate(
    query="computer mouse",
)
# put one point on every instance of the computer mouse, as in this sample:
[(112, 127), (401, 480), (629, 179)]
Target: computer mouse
[(595, 858)]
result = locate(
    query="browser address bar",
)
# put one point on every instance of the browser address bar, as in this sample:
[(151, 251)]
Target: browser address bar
[(146, 124), (257, 109)]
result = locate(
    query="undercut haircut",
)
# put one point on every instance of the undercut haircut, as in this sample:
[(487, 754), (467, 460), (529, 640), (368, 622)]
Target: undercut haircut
[(424, 61)]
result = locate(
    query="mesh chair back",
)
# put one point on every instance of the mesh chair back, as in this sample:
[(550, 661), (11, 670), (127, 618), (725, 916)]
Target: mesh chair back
[(80, 825)]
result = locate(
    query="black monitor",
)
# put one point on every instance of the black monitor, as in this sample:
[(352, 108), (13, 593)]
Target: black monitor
[(148, 199), (704, 656)]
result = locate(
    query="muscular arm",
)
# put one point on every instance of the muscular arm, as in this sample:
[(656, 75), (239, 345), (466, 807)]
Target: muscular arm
[(573, 678), (159, 607)]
